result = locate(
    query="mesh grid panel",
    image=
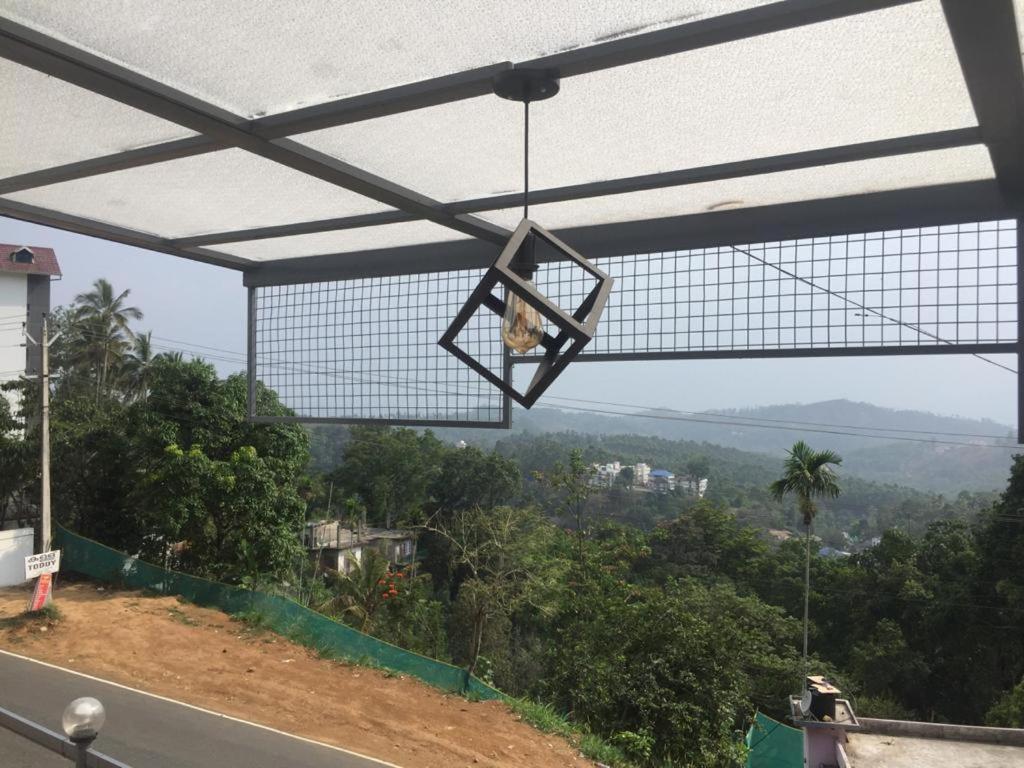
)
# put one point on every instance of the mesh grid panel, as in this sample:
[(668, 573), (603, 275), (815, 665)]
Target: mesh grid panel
[(930, 286), (366, 349)]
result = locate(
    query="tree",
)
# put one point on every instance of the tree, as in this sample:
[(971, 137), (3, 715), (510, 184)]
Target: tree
[(573, 482), (392, 471), (808, 475), (137, 367), (497, 548), (101, 321), (18, 464)]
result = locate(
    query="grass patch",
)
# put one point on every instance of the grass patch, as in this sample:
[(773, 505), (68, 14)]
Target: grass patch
[(50, 614), (545, 718), (181, 617)]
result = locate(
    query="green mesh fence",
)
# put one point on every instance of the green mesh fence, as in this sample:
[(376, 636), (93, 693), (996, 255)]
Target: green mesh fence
[(281, 614), (774, 745)]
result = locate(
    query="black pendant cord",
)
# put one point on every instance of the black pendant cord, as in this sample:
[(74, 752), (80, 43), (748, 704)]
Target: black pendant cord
[(526, 159)]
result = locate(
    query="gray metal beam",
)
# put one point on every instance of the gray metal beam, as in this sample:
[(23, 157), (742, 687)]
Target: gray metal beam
[(116, 234), (52, 57), (986, 39), (744, 168), (918, 207), (716, 30), (1006, 348), (119, 161), (726, 28)]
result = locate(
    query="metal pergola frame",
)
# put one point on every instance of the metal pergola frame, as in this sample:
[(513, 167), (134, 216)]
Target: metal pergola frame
[(986, 43)]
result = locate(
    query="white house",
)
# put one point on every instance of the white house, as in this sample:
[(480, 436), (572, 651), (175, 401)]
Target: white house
[(25, 274)]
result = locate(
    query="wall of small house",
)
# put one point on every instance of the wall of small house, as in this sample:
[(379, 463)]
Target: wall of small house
[(13, 296)]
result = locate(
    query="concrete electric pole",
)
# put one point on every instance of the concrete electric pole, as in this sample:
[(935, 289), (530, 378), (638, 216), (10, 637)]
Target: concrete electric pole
[(44, 432)]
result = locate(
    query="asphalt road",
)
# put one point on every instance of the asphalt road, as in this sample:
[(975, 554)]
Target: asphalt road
[(147, 732)]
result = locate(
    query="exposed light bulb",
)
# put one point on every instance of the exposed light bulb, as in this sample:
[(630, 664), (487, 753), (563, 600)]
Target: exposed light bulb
[(521, 328)]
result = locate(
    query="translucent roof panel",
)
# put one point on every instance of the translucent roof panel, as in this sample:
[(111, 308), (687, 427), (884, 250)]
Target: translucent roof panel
[(366, 238), (920, 169), (264, 56), (915, 170), (195, 195), (878, 75), (48, 122)]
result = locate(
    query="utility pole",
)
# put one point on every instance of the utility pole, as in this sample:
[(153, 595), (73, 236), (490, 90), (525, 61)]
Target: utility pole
[(44, 432)]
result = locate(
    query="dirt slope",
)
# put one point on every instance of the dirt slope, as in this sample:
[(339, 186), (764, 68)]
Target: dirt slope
[(203, 657)]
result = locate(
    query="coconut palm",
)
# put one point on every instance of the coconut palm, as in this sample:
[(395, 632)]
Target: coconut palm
[(137, 367), (102, 320), (807, 474)]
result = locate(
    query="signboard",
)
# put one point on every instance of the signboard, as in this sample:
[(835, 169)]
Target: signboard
[(46, 562), (41, 594)]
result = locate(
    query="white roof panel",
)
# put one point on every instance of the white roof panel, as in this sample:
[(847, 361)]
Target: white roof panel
[(807, 88), (48, 122), (913, 170), (196, 195), (258, 57)]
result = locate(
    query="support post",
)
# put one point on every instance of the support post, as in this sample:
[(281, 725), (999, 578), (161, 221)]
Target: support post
[(44, 438), (251, 349), (1020, 329)]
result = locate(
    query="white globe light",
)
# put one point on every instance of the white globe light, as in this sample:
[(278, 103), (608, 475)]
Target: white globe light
[(83, 718)]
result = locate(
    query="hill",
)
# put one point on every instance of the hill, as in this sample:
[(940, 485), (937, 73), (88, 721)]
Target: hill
[(943, 454)]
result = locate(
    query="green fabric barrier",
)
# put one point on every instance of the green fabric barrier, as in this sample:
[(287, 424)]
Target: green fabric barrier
[(283, 615), (774, 745)]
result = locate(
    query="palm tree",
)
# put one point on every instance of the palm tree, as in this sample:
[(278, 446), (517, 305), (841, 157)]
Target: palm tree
[(808, 475), (102, 319), (138, 366)]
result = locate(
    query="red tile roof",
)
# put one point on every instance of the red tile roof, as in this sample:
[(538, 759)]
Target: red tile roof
[(45, 262)]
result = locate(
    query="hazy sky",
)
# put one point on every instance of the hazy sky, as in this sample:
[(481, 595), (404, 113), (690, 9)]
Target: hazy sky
[(203, 305)]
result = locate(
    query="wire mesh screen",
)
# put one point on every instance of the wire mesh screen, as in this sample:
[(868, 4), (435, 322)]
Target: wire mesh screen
[(366, 350), (937, 286)]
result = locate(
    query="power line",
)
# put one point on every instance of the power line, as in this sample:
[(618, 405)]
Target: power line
[(237, 357), (844, 297)]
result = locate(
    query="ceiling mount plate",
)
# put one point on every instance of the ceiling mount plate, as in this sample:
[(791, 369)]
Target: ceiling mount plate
[(527, 84)]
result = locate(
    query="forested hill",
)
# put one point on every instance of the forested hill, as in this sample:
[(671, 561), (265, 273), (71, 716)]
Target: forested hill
[(738, 480), (936, 466)]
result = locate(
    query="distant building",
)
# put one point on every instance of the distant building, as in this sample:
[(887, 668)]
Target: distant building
[(662, 481), (604, 475), (25, 275), (694, 487), (340, 548), (641, 474)]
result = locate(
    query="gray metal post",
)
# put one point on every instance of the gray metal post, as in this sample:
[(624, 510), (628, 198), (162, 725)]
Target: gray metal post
[(1020, 329), (44, 427)]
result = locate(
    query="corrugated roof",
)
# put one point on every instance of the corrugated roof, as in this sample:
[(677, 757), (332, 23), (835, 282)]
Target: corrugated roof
[(43, 263)]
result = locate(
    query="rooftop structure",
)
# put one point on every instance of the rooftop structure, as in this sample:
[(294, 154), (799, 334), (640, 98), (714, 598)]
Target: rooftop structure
[(361, 185)]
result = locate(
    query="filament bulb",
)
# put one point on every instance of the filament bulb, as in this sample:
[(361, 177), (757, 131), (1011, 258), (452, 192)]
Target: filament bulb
[(521, 328)]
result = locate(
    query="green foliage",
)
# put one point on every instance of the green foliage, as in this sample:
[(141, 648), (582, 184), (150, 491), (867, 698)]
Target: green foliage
[(807, 475), (1008, 711), (544, 718)]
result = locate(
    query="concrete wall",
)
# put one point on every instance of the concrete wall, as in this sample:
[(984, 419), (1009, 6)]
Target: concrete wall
[(13, 297), (15, 546)]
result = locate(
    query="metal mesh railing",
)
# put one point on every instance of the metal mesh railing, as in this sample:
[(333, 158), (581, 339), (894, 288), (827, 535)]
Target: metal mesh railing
[(366, 349)]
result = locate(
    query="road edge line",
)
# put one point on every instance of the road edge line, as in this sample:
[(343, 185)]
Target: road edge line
[(201, 709)]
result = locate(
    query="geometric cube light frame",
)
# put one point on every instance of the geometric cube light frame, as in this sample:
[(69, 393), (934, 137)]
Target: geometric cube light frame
[(574, 331)]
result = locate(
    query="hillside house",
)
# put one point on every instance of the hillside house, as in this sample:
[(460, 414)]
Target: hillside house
[(339, 548), (25, 275), (662, 481)]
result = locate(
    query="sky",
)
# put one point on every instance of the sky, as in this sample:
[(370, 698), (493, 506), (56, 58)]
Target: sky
[(198, 305)]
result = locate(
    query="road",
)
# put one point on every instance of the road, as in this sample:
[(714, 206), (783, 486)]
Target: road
[(148, 732)]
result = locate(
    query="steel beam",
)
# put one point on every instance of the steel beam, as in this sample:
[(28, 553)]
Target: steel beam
[(721, 29), (716, 30), (918, 207), (986, 39), (52, 57), (83, 226), (1005, 348), (744, 168)]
